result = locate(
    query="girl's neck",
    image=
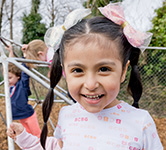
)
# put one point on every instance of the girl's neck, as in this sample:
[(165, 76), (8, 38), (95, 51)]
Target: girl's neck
[(113, 103)]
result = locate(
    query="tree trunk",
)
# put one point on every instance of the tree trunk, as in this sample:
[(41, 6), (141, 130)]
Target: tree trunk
[(52, 13), (1, 14), (11, 20)]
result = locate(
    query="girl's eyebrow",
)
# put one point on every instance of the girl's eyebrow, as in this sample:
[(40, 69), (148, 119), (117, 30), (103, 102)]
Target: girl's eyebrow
[(106, 63), (98, 64), (75, 64)]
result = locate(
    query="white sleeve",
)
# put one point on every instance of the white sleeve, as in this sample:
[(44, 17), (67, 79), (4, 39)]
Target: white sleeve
[(151, 138), (28, 141)]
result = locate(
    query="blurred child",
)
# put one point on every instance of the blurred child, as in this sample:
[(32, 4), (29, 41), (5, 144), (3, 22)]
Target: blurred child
[(19, 92), (95, 54), (37, 50)]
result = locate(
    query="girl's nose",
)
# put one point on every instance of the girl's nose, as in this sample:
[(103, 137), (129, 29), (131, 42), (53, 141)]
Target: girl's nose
[(91, 83)]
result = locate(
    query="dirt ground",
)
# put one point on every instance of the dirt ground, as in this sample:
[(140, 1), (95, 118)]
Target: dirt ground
[(160, 123)]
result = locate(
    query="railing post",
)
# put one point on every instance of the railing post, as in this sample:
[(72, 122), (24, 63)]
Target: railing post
[(4, 61)]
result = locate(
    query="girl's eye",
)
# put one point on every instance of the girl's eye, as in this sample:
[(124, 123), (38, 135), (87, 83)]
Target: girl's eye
[(104, 69), (77, 70)]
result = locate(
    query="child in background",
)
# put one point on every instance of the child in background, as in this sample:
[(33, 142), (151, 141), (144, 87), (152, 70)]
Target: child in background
[(95, 54), (37, 50), (19, 92)]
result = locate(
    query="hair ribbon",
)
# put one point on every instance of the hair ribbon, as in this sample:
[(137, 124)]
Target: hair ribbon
[(54, 35), (114, 12)]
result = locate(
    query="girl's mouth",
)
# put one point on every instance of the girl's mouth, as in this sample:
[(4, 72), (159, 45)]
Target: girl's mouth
[(93, 97)]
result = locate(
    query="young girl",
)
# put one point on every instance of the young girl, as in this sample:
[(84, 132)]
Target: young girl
[(37, 50), (19, 92), (95, 55)]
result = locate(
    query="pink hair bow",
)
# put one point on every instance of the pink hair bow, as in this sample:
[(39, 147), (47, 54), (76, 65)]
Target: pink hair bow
[(114, 12)]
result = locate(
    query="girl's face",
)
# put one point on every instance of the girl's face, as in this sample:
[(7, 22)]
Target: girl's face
[(94, 74), (13, 79)]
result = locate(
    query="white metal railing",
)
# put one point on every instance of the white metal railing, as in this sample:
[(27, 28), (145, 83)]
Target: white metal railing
[(4, 61)]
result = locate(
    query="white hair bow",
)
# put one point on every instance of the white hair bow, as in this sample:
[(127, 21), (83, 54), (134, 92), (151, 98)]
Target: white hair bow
[(54, 35)]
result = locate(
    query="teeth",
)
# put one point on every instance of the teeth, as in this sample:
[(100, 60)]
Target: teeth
[(93, 97)]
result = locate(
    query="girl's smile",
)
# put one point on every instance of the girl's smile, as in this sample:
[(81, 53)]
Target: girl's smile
[(93, 99), (93, 73)]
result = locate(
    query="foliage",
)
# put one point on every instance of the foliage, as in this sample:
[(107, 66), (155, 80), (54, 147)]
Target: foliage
[(159, 27), (159, 40), (94, 4), (32, 26)]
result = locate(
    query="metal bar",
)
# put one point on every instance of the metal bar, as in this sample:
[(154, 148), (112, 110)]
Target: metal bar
[(11, 41), (51, 124), (31, 99), (2, 82), (35, 105), (2, 95), (158, 48), (7, 96), (37, 97), (2, 40), (3, 119), (30, 61), (55, 101)]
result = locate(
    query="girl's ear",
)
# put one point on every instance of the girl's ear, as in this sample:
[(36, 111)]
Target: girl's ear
[(18, 78), (40, 53), (124, 72)]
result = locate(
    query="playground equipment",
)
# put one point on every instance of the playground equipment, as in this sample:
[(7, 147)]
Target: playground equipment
[(34, 74)]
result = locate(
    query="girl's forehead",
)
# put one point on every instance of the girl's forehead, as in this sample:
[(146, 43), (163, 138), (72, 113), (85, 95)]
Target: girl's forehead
[(93, 41), (11, 74)]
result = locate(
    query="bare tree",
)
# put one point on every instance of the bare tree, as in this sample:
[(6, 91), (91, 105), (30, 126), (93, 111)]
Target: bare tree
[(1, 14), (11, 20), (52, 13), (55, 11), (9, 8)]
